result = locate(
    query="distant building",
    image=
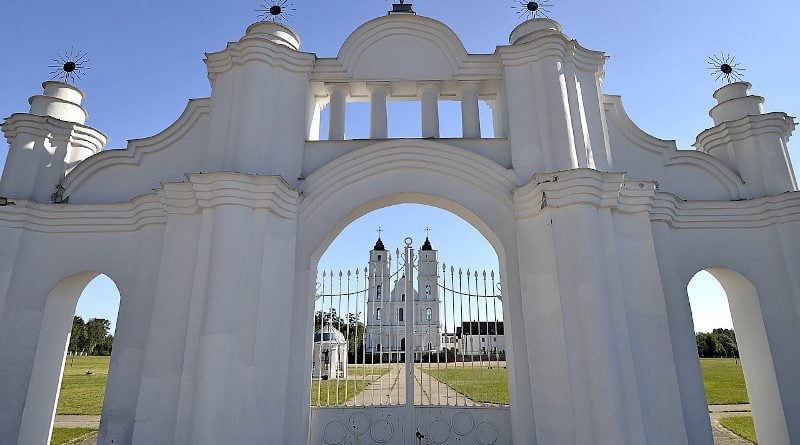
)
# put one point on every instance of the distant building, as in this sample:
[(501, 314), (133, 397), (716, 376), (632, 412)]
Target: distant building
[(478, 338), (386, 317), (329, 360)]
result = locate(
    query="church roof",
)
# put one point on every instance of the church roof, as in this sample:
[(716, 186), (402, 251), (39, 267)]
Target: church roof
[(427, 245), (379, 245)]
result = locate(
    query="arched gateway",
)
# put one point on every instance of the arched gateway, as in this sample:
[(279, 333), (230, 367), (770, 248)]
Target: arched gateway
[(212, 230)]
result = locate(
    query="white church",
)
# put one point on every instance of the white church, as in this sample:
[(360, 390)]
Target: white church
[(386, 305), (213, 228)]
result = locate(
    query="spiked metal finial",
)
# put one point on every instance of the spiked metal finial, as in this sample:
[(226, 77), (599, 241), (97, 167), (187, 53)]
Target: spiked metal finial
[(275, 10), (725, 67), (69, 66), (402, 7), (532, 10)]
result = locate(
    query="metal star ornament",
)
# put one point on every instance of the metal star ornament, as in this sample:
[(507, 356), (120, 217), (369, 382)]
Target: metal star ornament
[(69, 66), (532, 10), (275, 11), (724, 67)]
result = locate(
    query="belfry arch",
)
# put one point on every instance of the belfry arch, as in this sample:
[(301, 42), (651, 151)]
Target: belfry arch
[(214, 226)]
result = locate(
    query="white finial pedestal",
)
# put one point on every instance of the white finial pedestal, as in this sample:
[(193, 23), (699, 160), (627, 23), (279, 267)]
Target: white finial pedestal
[(749, 141), (275, 32), (46, 143)]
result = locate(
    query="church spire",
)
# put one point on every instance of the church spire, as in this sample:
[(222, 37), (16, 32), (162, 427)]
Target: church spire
[(427, 245), (379, 245)]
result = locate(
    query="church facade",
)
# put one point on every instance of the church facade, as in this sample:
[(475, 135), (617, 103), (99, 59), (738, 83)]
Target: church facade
[(213, 230), (386, 318)]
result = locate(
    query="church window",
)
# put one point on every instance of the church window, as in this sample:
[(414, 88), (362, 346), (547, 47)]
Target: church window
[(403, 297), (378, 313), (427, 291), (429, 314), (378, 289), (401, 314), (379, 257)]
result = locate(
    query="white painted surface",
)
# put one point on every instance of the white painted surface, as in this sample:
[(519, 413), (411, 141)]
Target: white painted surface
[(213, 266)]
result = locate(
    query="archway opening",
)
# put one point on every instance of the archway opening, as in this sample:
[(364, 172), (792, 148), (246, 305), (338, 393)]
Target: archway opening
[(735, 358), (70, 372), (409, 285)]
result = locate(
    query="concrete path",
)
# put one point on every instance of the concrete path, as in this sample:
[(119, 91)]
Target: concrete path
[(390, 389), (722, 435), (77, 422)]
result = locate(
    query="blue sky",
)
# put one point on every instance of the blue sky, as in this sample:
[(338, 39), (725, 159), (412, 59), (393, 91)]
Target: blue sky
[(146, 61)]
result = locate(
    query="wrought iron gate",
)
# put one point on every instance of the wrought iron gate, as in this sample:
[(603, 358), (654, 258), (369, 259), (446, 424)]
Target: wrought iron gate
[(392, 364)]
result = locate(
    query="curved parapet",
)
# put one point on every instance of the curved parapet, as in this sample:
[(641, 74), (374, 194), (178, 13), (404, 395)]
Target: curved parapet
[(686, 173), (115, 176)]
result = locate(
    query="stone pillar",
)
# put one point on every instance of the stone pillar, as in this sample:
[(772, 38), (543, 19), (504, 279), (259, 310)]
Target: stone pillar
[(429, 94), (378, 119), (554, 107), (749, 141), (597, 332), (336, 117), (259, 119), (47, 143), (470, 115)]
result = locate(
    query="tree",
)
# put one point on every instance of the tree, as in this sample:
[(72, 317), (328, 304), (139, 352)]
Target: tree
[(78, 340), (96, 332)]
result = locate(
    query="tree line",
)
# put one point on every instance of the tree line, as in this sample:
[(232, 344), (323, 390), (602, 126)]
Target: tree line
[(91, 337), (719, 343)]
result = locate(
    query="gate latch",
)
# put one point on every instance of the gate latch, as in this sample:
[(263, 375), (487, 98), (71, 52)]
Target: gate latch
[(420, 436)]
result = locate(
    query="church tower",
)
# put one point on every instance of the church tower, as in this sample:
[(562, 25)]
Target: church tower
[(427, 322), (377, 297)]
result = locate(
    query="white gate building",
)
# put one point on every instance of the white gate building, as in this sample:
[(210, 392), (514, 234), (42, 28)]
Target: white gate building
[(213, 228)]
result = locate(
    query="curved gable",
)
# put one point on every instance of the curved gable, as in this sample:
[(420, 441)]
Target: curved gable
[(402, 46)]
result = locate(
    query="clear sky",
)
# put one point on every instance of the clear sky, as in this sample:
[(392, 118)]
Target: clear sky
[(146, 61)]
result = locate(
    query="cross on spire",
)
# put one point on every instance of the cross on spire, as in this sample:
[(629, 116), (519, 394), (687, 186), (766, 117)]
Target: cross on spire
[(427, 232), (380, 231)]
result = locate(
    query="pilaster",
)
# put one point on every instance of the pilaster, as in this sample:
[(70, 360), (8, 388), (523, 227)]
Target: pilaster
[(597, 332), (552, 88)]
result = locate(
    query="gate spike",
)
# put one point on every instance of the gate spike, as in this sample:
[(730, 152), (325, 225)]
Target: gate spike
[(357, 271), (348, 273), (340, 273), (324, 274), (460, 272), (484, 274), (492, 273)]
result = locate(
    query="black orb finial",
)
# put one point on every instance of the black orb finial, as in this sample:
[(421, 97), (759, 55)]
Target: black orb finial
[(532, 10), (724, 67), (69, 66), (275, 11)]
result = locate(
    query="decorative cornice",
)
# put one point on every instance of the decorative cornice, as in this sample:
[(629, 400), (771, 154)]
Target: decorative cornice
[(207, 190), (746, 127), (46, 127), (553, 44), (195, 110), (762, 212), (257, 49), (83, 218), (583, 187)]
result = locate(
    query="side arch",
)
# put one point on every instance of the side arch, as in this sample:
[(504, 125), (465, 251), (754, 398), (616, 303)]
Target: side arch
[(48, 363)]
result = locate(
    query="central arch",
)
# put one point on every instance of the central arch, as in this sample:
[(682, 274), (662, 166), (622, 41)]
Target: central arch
[(418, 172)]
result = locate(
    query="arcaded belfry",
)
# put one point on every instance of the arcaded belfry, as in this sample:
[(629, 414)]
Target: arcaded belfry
[(598, 227)]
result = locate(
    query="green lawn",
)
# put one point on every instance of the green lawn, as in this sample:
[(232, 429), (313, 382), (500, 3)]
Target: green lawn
[(325, 391), (83, 393), (741, 425), (66, 435), (481, 384), (724, 381)]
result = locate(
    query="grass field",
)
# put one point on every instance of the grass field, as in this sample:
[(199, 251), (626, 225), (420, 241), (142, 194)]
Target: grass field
[(481, 384), (324, 391), (724, 381), (62, 436), (83, 393), (741, 425)]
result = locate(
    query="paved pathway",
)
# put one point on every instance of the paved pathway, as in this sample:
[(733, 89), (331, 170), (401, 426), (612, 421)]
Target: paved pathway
[(722, 435)]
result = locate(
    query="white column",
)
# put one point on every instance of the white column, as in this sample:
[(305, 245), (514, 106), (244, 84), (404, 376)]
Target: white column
[(429, 93), (378, 121), (336, 118), (470, 116)]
